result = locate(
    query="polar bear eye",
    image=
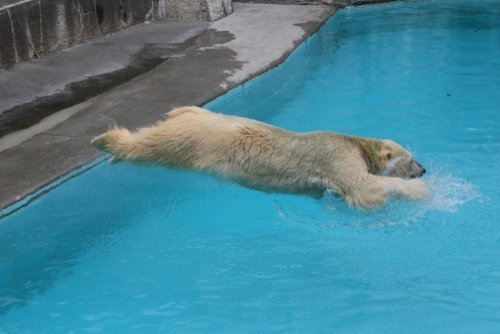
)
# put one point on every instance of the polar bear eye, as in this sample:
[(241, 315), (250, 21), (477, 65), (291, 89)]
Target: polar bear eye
[(389, 156)]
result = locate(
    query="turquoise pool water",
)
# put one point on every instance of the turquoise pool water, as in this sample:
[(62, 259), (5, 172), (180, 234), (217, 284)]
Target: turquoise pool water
[(134, 249)]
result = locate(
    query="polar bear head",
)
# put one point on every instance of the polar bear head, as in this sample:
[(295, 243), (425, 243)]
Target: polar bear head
[(398, 162)]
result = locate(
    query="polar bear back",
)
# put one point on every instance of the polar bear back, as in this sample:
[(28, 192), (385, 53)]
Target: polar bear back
[(253, 153)]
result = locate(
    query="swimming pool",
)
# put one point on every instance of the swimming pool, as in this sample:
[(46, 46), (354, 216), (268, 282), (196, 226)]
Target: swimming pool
[(134, 249)]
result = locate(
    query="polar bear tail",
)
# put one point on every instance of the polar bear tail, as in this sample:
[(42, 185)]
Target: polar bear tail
[(115, 142)]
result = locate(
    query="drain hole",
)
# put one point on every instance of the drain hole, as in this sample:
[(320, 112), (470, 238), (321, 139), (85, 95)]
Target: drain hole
[(99, 11)]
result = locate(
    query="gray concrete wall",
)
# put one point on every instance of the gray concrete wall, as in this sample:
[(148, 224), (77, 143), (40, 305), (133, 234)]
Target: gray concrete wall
[(202, 10), (338, 3), (31, 28)]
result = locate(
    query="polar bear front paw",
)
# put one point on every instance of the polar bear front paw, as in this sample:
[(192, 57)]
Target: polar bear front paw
[(413, 189), (417, 189)]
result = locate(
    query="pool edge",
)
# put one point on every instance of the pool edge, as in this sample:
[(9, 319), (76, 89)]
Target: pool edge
[(77, 154)]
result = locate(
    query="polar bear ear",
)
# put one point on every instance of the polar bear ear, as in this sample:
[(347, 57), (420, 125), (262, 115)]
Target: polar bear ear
[(390, 149), (386, 154)]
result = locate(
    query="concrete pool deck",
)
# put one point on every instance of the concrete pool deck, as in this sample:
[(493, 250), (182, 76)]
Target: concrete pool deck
[(255, 38)]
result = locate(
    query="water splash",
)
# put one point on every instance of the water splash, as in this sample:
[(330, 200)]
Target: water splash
[(448, 193)]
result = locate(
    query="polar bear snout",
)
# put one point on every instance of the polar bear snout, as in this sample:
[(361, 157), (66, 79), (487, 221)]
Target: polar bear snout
[(404, 166), (419, 170), (413, 170)]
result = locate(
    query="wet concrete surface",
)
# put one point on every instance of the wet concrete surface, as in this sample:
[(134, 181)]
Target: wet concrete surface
[(31, 91), (234, 49)]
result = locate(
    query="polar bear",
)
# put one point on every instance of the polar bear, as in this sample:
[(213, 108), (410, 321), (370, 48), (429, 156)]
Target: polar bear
[(364, 171)]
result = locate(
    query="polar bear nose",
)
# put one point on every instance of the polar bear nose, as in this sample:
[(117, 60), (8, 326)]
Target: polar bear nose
[(420, 171)]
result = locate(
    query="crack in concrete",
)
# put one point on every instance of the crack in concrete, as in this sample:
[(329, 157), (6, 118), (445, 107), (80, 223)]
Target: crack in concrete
[(16, 54), (41, 24)]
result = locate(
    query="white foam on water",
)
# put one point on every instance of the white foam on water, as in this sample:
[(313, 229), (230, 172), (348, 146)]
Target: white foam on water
[(448, 194)]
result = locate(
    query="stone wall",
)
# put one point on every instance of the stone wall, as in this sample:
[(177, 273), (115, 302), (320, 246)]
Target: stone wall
[(30, 28), (204, 10), (337, 3)]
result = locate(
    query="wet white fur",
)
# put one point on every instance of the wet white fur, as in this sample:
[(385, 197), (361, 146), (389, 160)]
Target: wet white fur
[(265, 157)]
